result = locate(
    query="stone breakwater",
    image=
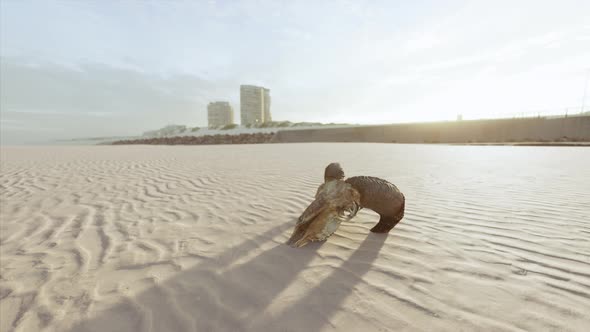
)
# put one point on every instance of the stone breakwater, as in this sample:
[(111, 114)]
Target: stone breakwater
[(257, 138)]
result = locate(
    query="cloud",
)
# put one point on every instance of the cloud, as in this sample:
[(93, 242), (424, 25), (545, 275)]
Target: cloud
[(97, 99)]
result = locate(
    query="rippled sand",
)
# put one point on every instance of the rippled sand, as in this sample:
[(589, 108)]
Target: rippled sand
[(183, 238)]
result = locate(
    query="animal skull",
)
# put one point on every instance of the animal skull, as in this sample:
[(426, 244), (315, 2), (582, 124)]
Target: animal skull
[(336, 201)]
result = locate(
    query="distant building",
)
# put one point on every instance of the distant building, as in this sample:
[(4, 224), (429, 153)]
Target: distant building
[(254, 104), (267, 116), (220, 113)]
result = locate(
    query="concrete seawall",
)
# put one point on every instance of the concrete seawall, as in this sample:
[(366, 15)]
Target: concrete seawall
[(573, 128)]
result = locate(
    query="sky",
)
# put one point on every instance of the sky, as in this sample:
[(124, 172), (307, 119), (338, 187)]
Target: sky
[(74, 69)]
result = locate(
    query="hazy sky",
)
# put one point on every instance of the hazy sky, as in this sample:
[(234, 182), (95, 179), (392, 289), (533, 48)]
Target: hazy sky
[(97, 68)]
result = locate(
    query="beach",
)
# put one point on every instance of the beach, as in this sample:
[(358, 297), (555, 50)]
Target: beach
[(191, 238)]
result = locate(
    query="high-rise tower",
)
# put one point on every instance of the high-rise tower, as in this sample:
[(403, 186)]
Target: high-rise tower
[(254, 104)]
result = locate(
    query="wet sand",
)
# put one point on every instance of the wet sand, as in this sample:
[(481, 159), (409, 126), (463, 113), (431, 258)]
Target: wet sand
[(185, 238)]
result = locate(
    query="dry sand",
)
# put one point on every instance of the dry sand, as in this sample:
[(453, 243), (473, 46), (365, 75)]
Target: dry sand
[(190, 238)]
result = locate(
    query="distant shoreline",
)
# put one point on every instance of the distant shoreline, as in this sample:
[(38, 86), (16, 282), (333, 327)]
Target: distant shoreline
[(582, 144), (266, 138)]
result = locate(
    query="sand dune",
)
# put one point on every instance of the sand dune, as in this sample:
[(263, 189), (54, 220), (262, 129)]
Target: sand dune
[(190, 238)]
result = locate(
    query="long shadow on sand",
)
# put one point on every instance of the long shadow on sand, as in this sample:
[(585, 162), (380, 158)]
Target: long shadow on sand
[(218, 296), (323, 301)]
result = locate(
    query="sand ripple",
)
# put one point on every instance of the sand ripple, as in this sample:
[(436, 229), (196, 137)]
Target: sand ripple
[(189, 238)]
